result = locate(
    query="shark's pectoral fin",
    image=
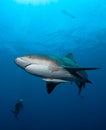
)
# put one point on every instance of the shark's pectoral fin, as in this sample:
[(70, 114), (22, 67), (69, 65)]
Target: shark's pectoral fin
[(73, 70), (50, 86)]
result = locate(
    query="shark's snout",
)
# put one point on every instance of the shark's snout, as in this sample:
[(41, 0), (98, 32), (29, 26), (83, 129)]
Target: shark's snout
[(20, 61)]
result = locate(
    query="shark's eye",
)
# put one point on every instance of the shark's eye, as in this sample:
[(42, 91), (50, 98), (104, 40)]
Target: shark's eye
[(31, 56)]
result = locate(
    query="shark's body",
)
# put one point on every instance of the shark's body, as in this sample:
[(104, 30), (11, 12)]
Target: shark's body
[(55, 70)]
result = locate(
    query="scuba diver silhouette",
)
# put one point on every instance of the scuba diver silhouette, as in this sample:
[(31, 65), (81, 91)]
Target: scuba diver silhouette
[(17, 108)]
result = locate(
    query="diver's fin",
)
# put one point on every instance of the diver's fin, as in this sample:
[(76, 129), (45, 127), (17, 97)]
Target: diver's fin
[(70, 56), (50, 86), (73, 70)]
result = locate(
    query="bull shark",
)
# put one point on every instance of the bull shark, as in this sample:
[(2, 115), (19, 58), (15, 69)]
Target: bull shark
[(55, 70)]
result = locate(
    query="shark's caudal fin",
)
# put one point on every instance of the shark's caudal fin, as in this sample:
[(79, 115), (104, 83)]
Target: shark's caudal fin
[(76, 72), (88, 81), (50, 86), (81, 84)]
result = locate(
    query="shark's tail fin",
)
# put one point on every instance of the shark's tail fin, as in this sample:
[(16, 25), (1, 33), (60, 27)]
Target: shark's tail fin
[(81, 84), (88, 81)]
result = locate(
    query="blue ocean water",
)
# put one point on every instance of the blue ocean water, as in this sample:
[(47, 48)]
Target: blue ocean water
[(53, 27)]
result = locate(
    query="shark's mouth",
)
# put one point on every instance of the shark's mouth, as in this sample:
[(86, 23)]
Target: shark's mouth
[(27, 65), (22, 63)]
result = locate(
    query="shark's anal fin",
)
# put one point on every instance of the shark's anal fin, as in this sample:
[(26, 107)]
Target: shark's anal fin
[(50, 86)]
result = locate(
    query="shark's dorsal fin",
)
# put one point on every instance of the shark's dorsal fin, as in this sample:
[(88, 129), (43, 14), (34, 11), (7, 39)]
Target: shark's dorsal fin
[(70, 56), (50, 86)]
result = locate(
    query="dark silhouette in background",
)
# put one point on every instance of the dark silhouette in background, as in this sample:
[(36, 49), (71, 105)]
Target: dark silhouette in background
[(65, 12), (17, 107)]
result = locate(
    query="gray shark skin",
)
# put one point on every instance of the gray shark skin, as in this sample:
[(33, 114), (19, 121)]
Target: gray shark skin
[(55, 70)]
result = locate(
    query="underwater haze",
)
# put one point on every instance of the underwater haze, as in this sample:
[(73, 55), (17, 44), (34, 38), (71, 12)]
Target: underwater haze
[(52, 27)]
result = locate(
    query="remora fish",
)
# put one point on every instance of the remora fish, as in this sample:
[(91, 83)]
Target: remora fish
[(55, 70)]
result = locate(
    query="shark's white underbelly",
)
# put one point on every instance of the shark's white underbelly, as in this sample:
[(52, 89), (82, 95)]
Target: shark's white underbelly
[(45, 72)]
